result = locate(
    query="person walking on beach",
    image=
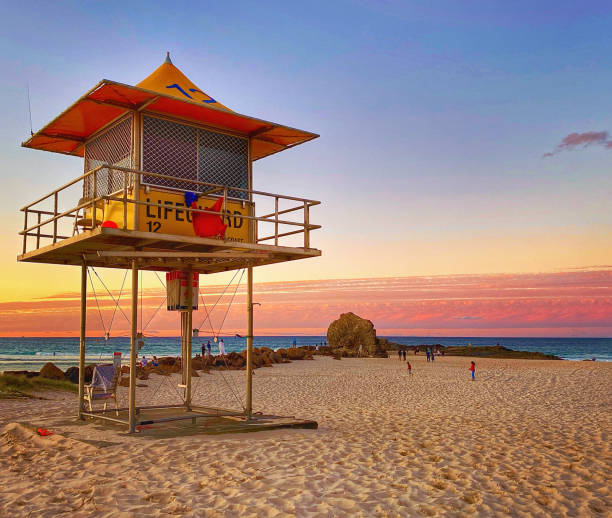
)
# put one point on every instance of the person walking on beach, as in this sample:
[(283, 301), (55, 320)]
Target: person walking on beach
[(203, 349), (433, 356), (221, 347), (427, 353), (399, 354), (409, 368), (294, 343), (472, 369), (209, 348)]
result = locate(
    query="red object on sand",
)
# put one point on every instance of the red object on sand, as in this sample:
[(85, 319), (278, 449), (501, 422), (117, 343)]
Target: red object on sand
[(209, 225), (44, 432)]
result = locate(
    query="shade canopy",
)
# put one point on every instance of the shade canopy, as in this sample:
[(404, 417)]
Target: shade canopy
[(167, 91)]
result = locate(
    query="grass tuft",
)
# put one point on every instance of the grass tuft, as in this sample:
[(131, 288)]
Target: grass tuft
[(12, 386)]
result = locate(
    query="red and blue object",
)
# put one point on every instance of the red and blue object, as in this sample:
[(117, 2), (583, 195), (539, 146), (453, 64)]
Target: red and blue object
[(206, 224)]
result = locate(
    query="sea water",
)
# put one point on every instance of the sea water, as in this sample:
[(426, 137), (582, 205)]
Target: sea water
[(33, 353)]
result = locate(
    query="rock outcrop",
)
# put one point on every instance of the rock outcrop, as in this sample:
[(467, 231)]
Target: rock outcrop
[(353, 334), (52, 372)]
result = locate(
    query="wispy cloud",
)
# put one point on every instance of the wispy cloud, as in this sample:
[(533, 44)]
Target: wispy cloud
[(589, 138), (537, 304)]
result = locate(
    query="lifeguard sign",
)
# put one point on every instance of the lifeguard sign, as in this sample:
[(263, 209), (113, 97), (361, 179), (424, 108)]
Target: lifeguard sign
[(167, 186)]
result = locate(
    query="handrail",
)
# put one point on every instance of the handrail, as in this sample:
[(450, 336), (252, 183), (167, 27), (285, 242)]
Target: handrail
[(208, 184), (65, 186), (121, 196)]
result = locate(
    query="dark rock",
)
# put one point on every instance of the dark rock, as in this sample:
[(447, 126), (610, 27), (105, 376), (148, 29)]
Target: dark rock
[(296, 354), (72, 374), (50, 371)]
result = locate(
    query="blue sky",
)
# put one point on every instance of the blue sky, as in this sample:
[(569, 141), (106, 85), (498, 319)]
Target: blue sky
[(433, 116)]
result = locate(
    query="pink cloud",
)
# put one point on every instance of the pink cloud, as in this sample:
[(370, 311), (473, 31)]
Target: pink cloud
[(589, 138), (540, 304)]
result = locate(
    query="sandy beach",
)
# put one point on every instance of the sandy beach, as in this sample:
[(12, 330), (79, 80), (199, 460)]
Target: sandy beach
[(527, 438)]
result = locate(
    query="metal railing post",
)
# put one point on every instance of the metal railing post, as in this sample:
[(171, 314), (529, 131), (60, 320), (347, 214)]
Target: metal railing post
[(38, 233), (25, 227), (125, 184), (276, 220), (54, 218), (94, 204), (306, 225)]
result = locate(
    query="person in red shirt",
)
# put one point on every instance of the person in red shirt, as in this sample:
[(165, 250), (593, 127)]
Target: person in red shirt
[(409, 368), (472, 369)]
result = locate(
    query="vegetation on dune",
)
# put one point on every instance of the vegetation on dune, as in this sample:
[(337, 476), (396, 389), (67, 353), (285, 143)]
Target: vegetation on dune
[(12, 386)]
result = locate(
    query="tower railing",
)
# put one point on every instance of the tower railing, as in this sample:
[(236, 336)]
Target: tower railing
[(47, 221)]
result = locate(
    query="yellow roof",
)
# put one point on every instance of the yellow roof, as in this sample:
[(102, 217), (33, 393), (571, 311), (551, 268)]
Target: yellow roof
[(169, 80), (167, 91)]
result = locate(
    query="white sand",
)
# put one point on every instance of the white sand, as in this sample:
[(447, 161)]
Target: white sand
[(528, 438)]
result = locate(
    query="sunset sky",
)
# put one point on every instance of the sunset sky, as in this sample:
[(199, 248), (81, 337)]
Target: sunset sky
[(463, 164)]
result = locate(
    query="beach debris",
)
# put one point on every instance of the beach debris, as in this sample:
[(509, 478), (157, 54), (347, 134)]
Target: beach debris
[(44, 432)]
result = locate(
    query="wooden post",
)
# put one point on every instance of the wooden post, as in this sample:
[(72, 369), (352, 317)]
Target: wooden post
[(189, 333), (133, 348), (249, 358), (82, 337)]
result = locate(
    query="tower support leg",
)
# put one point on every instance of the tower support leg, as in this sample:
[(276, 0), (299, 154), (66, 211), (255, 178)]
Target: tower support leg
[(249, 358), (188, 341), (82, 337), (133, 349)]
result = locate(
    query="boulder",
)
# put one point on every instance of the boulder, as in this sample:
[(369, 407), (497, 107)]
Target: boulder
[(296, 354), (353, 333), (50, 371), (282, 352), (72, 374)]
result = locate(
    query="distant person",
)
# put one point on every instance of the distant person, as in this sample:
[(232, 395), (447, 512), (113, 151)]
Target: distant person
[(209, 348), (473, 369), (427, 353), (404, 353), (399, 354), (143, 362), (294, 343), (433, 356), (416, 350), (155, 361), (409, 368), (221, 347), (203, 349)]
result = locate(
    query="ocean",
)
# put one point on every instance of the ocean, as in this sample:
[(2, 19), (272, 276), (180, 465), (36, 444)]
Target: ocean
[(33, 353)]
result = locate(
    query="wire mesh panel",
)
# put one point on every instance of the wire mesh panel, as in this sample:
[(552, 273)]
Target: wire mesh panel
[(186, 152), (171, 149), (223, 160), (114, 146)]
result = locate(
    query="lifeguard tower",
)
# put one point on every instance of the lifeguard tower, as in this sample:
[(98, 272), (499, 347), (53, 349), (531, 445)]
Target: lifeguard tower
[(167, 186)]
